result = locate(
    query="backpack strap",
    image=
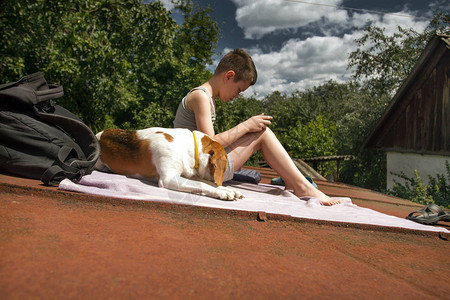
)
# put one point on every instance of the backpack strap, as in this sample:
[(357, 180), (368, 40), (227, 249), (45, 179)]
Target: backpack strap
[(61, 169), (83, 136)]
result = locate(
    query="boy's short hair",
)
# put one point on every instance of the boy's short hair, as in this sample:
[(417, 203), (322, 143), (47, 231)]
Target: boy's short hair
[(241, 63)]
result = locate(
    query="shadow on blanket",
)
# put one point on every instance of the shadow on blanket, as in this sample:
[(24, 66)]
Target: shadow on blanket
[(258, 188)]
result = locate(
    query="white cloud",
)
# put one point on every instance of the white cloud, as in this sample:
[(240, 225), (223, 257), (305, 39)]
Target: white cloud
[(391, 23), (261, 17), (303, 64)]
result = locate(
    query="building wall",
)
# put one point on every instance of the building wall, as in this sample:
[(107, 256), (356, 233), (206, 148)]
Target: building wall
[(408, 162)]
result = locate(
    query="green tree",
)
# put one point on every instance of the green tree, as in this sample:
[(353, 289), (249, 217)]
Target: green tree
[(287, 110), (121, 63), (315, 138), (382, 62)]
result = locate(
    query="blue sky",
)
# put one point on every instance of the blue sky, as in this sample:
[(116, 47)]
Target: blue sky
[(300, 44)]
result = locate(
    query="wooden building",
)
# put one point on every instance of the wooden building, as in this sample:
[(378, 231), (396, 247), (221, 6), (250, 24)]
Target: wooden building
[(414, 131)]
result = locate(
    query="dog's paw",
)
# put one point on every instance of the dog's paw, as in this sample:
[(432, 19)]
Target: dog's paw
[(237, 194), (229, 194)]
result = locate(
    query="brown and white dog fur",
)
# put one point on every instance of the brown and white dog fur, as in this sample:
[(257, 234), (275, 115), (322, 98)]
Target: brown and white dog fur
[(167, 155)]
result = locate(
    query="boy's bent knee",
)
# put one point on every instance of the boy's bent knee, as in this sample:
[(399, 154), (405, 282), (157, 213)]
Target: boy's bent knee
[(268, 133)]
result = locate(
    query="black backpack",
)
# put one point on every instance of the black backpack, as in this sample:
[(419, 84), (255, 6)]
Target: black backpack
[(41, 140)]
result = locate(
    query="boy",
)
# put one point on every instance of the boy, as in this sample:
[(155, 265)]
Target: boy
[(233, 75)]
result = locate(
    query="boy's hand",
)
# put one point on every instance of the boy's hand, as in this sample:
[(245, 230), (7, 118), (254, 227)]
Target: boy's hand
[(258, 123)]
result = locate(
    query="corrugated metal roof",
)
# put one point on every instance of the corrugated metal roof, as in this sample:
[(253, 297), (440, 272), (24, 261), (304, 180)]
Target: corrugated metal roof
[(61, 245)]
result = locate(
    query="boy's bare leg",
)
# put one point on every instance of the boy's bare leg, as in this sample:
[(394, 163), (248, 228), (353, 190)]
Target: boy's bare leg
[(277, 157)]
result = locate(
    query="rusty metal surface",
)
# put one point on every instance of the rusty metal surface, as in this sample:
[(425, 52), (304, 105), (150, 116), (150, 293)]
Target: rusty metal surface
[(60, 245)]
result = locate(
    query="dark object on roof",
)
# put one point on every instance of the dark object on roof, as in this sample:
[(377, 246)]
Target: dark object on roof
[(429, 214), (245, 175), (418, 117), (39, 139)]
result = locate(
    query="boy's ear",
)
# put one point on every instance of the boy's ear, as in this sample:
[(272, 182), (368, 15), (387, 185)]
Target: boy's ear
[(230, 74)]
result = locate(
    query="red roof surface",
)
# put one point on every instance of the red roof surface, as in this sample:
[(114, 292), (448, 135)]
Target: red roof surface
[(62, 245)]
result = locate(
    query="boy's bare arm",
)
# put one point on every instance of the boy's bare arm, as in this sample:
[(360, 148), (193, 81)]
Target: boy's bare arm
[(254, 124), (200, 104)]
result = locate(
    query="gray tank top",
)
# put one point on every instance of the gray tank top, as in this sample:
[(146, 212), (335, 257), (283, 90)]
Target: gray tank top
[(185, 118)]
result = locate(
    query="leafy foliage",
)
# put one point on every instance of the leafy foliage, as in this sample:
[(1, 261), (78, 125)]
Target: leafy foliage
[(436, 191), (121, 63), (315, 138), (383, 61)]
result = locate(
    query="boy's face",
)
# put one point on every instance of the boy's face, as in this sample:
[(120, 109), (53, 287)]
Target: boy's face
[(232, 88)]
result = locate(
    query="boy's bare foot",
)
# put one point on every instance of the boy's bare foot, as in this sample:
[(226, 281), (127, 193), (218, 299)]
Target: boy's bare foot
[(324, 199), (330, 201)]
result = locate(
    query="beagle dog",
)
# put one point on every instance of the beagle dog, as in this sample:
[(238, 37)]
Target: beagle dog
[(179, 159)]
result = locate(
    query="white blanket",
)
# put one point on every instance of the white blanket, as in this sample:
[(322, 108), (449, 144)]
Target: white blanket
[(266, 198)]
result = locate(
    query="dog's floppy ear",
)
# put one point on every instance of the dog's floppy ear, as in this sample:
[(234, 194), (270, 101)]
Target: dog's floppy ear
[(217, 166), (217, 158)]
